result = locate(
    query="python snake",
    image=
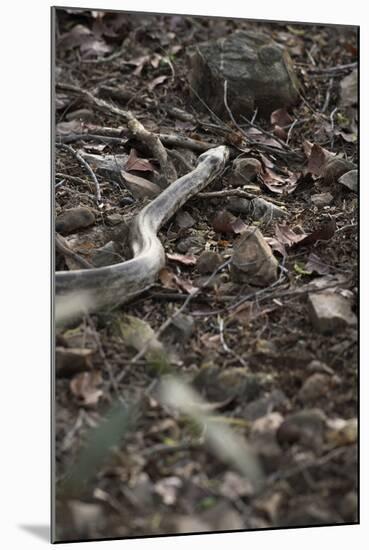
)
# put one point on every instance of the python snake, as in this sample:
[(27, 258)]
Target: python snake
[(87, 290)]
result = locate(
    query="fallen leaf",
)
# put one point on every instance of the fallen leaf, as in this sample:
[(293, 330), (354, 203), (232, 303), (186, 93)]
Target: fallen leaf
[(185, 259), (280, 117), (323, 233), (225, 222), (69, 361), (277, 183), (287, 236), (158, 80), (85, 386), (72, 127), (317, 158), (172, 281), (316, 265), (138, 164), (75, 37)]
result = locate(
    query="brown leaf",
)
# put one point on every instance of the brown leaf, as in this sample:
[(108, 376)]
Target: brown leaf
[(169, 280), (317, 159), (85, 387), (185, 259), (225, 222), (69, 361), (316, 265), (280, 117), (286, 236), (277, 183), (158, 80), (323, 233), (138, 164)]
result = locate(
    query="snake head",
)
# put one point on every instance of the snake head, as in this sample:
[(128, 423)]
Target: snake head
[(216, 155)]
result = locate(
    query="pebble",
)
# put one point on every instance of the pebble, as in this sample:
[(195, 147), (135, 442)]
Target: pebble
[(208, 262), (305, 427), (245, 171), (315, 387), (329, 312), (322, 199), (335, 168), (193, 243), (73, 219)]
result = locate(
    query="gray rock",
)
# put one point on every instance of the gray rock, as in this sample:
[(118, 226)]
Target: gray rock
[(73, 219), (244, 171), (335, 168), (258, 71), (305, 427), (314, 388), (192, 243), (253, 261), (329, 311), (350, 180), (260, 208), (349, 90), (208, 262), (322, 199)]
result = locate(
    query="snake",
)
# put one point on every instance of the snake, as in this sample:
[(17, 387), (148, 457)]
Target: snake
[(82, 291)]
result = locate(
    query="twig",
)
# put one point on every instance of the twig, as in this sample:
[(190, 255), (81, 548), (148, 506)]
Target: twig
[(86, 165), (135, 128), (327, 96), (330, 70), (70, 138), (332, 126), (290, 130), (226, 348), (62, 247)]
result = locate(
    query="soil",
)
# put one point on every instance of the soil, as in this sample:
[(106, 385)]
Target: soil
[(252, 353)]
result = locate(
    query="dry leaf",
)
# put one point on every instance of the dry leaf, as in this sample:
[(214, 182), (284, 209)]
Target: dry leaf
[(185, 259), (280, 117), (225, 222), (85, 387), (138, 164), (140, 187)]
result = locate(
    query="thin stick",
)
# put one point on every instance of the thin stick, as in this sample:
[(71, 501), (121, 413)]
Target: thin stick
[(86, 165), (62, 247)]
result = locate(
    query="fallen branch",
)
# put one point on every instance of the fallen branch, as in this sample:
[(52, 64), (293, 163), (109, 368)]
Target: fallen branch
[(62, 247), (136, 129)]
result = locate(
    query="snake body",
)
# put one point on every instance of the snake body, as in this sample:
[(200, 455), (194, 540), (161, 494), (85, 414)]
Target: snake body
[(87, 290)]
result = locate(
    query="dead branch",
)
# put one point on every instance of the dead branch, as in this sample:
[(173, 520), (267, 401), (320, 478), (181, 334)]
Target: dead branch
[(86, 165)]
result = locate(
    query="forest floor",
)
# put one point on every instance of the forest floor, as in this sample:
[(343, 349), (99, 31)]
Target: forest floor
[(263, 367)]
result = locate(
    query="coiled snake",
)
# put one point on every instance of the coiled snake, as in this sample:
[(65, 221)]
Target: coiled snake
[(87, 290)]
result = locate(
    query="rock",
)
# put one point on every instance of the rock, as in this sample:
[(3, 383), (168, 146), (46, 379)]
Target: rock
[(260, 208), (114, 219), (73, 219), (335, 168), (208, 262), (109, 166), (238, 205), (315, 387), (192, 243), (329, 311), (260, 407), (348, 506), (322, 199), (319, 366), (350, 180), (245, 171), (253, 261), (258, 72), (70, 361), (305, 427), (183, 326), (264, 442)]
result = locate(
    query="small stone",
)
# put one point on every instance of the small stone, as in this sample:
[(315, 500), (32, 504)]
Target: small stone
[(192, 243), (253, 261), (348, 506), (349, 89), (322, 199), (350, 180), (319, 366), (73, 219), (245, 171), (260, 407), (114, 219), (329, 312), (208, 262), (305, 427), (315, 387), (184, 325), (184, 219), (238, 205), (335, 168)]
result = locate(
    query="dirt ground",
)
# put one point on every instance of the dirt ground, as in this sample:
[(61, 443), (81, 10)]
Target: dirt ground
[(254, 354)]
